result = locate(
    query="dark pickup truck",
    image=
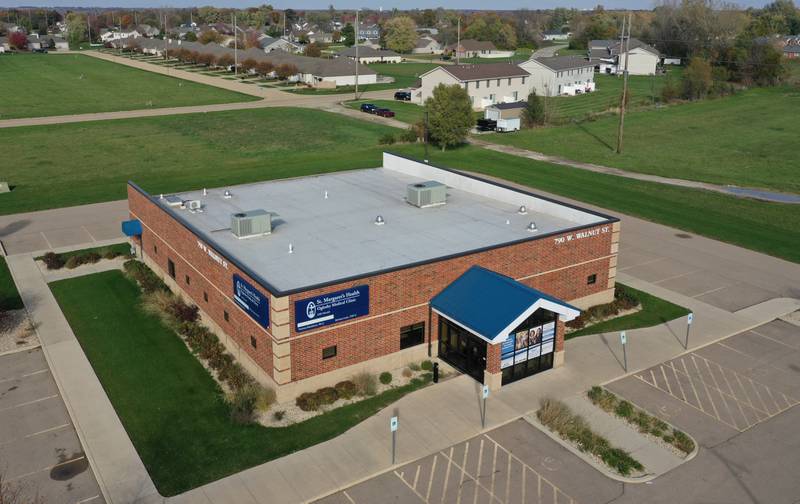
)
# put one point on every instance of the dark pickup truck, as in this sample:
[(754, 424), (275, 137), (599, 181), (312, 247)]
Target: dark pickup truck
[(403, 95), (486, 125)]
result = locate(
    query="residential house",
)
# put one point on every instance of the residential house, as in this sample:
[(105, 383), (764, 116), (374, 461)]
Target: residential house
[(269, 44), (486, 84), (54, 42), (427, 45), (506, 115), (470, 48), (370, 55), (608, 58), (791, 52), (556, 35), (560, 75), (4, 45), (428, 31), (114, 34), (34, 42), (369, 31)]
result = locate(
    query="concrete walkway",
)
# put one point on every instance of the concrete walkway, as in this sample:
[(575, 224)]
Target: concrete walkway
[(740, 192)]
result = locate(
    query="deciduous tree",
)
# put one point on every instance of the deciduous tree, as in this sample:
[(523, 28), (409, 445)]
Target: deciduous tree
[(18, 40), (697, 78), (349, 34), (449, 115), (533, 114), (312, 50), (264, 68), (249, 64), (224, 61), (401, 34), (209, 36), (286, 70)]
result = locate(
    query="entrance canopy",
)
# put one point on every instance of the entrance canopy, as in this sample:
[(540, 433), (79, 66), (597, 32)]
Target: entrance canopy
[(491, 305)]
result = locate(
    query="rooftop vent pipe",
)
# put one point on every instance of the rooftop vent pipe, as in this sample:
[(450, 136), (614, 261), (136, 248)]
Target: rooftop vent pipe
[(532, 227), (227, 194), (379, 221), (522, 210)]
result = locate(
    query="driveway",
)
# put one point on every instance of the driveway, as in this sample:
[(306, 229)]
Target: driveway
[(39, 449), (546, 52)]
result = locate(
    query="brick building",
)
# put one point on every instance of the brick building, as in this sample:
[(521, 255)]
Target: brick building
[(310, 280)]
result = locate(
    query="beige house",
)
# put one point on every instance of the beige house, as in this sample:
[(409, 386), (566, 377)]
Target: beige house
[(470, 48), (427, 45), (560, 75), (367, 54), (607, 58), (486, 84)]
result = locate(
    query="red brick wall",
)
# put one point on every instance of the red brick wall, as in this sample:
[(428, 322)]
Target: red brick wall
[(397, 298)]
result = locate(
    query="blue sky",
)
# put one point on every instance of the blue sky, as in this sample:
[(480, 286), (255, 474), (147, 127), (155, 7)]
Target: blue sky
[(349, 4)]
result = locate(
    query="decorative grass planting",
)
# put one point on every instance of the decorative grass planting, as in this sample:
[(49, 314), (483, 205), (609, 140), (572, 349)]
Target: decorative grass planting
[(61, 165), (654, 311), (640, 419), (75, 258), (79, 84), (173, 410), (772, 228), (556, 416)]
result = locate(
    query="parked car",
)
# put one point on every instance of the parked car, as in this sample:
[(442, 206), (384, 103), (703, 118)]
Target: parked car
[(403, 95), (486, 125), (41, 50), (368, 108), (384, 112)]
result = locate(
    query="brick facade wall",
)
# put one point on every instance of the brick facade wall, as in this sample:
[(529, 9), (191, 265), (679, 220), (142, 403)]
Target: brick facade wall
[(397, 298)]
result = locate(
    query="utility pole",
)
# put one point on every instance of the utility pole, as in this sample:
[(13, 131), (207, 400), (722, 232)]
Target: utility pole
[(356, 45), (624, 86), (458, 39), (235, 47)]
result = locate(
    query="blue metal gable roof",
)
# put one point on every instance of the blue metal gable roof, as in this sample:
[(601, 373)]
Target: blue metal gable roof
[(488, 303)]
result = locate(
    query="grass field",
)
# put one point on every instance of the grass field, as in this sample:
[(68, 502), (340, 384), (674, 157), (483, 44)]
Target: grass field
[(749, 139), (771, 228), (9, 297), (405, 75), (654, 311), (170, 406), (74, 164), (34, 85)]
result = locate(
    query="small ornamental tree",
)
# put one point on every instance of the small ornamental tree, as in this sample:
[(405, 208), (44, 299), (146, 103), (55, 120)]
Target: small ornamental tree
[(285, 71), (449, 115), (18, 40), (349, 35), (264, 68), (312, 50), (190, 37), (225, 61), (194, 57), (533, 114), (697, 79), (205, 59), (249, 64)]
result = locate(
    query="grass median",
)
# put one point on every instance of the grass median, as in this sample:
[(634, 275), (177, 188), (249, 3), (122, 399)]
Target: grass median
[(170, 406), (9, 296)]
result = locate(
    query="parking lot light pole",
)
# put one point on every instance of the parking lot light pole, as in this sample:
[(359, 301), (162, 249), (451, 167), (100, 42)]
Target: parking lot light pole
[(624, 340), (689, 319)]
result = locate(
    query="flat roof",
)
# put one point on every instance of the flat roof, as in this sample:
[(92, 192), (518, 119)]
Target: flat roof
[(336, 239)]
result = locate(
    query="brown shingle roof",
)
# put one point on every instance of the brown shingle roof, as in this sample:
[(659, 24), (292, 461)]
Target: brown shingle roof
[(473, 45), (485, 71)]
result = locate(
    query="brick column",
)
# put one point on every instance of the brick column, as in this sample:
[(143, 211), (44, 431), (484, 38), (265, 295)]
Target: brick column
[(492, 375), (558, 357)]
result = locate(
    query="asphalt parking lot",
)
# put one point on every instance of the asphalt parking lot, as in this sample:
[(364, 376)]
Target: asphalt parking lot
[(39, 449), (738, 398)]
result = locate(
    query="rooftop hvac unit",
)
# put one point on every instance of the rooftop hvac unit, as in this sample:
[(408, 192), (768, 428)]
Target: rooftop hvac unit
[(194, 205), (250, 224), (426, 194)]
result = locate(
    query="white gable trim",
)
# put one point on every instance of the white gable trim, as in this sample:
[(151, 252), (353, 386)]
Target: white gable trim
[(461, 324), (565, 312)]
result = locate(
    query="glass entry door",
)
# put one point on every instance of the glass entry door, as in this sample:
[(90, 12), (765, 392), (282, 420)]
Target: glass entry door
[(462, 349)]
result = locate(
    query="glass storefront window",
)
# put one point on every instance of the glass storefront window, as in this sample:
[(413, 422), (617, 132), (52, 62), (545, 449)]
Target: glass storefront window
[(529, 348)]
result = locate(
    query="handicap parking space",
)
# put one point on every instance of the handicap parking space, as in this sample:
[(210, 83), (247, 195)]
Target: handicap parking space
[(725, 388), (515, 463), (39, 450)]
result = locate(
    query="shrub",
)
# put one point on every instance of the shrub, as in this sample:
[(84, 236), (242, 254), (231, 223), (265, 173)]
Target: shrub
[(620, 460), (409, 135), (414, 366), (91, 257), (407, 373), (386, 139), (242, 404), (278, 415), (182, 312), (266, 398), (624, 409), (426, 365), (308, 401), (144, 276), (327, 395), (346, 389), (426, 377), (108, 253), (682, 442), (386, 378), (668, 438), (366, 384), (73, 262), (220, 361), (641, 420), (53, 261)]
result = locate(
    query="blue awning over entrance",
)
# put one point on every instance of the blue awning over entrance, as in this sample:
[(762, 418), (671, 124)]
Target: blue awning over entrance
[(491, 305), (132, 227)]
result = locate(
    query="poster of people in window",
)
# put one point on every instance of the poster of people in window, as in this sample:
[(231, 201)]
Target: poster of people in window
[(528, 344)]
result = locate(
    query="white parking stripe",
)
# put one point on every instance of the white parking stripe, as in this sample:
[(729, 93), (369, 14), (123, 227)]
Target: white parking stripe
[(45, 431), (90, 499), (48, 468), (28, 403), (348, 497), (26, 375)]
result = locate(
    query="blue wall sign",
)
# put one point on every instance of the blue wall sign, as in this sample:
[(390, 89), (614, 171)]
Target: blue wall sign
[(331, 308), (251, 300)]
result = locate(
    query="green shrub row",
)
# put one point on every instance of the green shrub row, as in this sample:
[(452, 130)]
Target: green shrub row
[(246, 394), (72, 260), (557, 416), (624, 299), (406, 136), (644, 422), (312, 401)]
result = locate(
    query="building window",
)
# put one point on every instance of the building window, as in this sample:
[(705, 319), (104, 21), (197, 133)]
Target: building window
[(188, 280), (412, 335), (591, 279), (171, 268), (498, 82), (509, 81), (477, 84), (205, 296), (488, 82), (516, 95), (155, 249), (226, 316), (523, 80), (329, 352), (253, 342)]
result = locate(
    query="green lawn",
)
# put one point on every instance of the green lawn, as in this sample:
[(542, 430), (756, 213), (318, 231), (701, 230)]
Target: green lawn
[(73, 164), (34, 85), (405, 75), (404, 111), (654, 311), (771, 228), (749, 139), (9, 297), (170, 406)]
